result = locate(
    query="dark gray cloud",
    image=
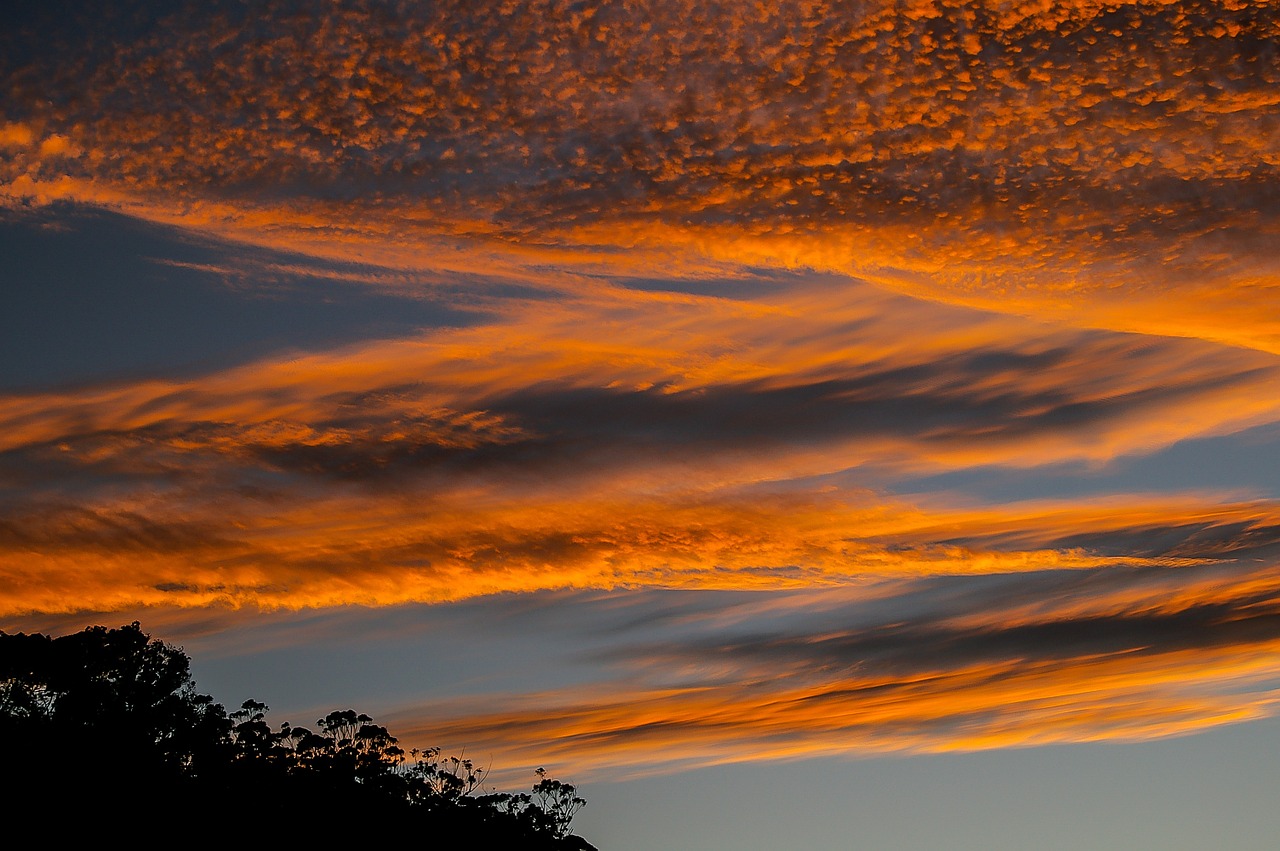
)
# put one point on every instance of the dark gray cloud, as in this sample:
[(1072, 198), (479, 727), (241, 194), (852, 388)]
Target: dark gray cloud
[(1208, 538), (59, 529), (391, 434), (1025, 622)]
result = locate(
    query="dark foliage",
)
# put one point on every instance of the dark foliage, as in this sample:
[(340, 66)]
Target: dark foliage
[(105, 737)]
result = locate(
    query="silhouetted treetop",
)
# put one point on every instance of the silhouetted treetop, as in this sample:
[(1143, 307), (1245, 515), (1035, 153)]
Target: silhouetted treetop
[(107, 726)]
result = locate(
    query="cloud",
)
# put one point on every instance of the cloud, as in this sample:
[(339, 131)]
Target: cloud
[(1108, 166), (618, 438), (627, 380), (850, 677), (719, 264), (253, 547), (15, 135)]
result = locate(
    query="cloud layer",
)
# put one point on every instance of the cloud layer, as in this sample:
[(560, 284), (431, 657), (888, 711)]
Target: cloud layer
[(611, 441), (688, 298), (1030, 660), (1110, 165)]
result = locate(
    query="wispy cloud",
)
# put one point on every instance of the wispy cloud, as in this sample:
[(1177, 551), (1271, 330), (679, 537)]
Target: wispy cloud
[(1016, 663), (626, 438)]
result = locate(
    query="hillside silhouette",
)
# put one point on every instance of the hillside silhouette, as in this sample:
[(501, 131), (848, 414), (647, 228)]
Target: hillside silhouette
[(106, 738)]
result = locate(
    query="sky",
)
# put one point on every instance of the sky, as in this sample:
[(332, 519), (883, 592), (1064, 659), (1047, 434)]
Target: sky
[(845, 424)]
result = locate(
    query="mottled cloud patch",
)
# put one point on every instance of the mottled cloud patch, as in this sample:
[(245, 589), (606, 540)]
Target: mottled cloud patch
[(15, 135), (1112, 165)]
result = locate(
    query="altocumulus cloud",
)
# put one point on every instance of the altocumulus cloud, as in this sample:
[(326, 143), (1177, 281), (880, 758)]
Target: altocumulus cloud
[(987, 153)]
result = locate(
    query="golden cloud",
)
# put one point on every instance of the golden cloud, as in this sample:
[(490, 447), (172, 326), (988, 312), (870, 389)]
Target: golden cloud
[(931, 683), (1106, 165)]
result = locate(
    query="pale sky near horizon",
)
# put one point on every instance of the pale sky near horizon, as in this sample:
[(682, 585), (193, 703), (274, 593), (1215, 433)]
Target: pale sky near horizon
[(814, 422)]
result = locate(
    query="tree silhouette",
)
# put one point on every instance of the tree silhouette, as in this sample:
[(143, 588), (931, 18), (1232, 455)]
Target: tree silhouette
[(558, 800), (107, 736)]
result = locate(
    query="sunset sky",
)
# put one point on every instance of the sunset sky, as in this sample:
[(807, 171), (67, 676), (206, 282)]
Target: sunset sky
[(796, 423)]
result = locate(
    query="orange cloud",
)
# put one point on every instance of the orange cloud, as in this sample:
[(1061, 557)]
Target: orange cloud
[(1072, 169), (608, 439), (666, 730), (932, 683), (881, 377), (1101, 165), (15, 135), (271, 552)]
